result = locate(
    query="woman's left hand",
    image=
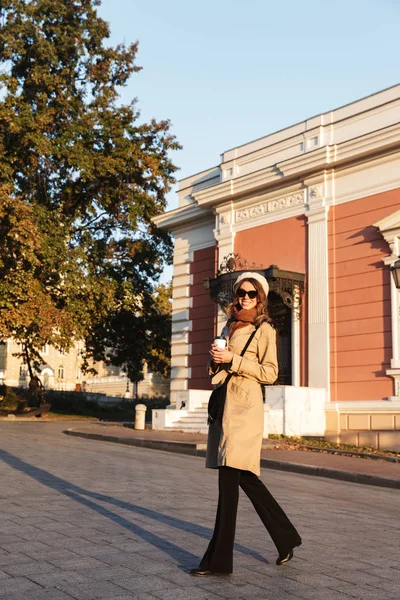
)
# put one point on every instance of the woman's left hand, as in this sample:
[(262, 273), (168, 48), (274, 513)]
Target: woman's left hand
[(221, 355)]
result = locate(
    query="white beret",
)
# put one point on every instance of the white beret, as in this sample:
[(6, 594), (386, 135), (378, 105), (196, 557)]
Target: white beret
[(252, 275)]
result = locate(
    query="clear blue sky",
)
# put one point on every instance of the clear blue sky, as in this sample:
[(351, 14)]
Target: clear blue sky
[(227, 72)]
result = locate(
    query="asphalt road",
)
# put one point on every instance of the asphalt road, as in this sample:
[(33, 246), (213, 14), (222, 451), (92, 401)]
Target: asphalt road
[(92, 520)]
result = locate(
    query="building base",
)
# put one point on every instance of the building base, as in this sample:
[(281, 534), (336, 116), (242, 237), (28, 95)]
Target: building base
[(288, 410), (295, 411), (369, 423)]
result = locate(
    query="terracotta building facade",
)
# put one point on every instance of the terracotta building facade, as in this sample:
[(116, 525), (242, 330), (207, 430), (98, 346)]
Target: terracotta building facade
[(316, 208)]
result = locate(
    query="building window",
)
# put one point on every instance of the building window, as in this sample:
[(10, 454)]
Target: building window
[(45, 350), (60, 372)]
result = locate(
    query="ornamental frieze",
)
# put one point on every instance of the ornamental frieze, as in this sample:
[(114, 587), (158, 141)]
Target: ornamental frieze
[(268, 207)]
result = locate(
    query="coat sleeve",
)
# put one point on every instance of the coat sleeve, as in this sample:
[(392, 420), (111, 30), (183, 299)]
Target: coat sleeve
[(265, 369)]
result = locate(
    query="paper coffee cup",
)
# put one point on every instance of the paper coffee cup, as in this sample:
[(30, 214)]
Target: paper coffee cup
[(220, 342)]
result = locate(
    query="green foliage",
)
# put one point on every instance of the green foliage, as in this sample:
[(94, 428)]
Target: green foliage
[(80, 182), (79, 403), (9, 400), (148, 331)]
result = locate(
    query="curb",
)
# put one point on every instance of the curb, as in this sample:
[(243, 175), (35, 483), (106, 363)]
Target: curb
[(331, 473), (194, 449), (168, 446)]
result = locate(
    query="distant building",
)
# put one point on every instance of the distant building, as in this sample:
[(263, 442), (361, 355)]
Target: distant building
[(63, 371), (316, 209)]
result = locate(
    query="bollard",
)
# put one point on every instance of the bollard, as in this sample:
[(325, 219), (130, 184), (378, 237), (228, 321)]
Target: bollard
[(140, 414)]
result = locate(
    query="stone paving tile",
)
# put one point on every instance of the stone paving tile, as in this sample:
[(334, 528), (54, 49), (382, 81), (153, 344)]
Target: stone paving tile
[(13, 559), (8, 539), (275, 595), (78, 562), (93, 590), (375, 561), (140, 596), (180, 577), (385, 573), (185, 594), (392, 587), (46, 537), (357, 576), (106, 573), (324, 594), (232, 589), (59, 553), (58, 578), (367, 592), (313, 579), (152, 567), (38, 595), (17, 585), (31, 549), (148, 583), (32, 568), (263, 580)]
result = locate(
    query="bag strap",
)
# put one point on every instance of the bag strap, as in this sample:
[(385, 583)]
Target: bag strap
[(243, 352)]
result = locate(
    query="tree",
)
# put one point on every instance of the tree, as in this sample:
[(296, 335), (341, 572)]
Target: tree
[(80, 180), (148, 330)]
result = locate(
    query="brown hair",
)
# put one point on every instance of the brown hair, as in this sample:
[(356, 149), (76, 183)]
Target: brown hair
[(262, 302)]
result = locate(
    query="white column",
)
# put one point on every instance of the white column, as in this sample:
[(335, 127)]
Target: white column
[(390, 229), (394, 370), (318, 296), (225, 237), (181, 324), (395, 306), (296, 337)]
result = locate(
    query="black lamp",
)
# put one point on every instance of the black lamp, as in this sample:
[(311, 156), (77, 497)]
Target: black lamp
[(395, 268)]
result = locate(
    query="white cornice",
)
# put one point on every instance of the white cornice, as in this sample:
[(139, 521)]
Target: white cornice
[(390, 229), (370, 143), (327, 157), (389, 223), (179, 217)]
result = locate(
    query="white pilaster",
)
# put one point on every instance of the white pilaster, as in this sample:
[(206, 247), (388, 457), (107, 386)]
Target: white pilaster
[(390, 230), (181, 325), (225, 235), (318, 290), (296, 337), (187, 240)]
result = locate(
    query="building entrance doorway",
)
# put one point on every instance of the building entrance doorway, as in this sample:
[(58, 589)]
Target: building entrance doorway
[(284, 299)]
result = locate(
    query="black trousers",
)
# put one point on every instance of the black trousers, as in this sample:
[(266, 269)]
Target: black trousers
[(219, 554)]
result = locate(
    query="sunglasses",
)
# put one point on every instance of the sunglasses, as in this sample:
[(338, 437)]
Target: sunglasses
[(251, 294)]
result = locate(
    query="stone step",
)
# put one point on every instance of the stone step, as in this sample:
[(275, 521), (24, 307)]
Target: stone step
[(196, 430), (201, 422), (194, 422)]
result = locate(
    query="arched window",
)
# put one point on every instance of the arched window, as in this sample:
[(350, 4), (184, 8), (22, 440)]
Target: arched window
[(61, 372)]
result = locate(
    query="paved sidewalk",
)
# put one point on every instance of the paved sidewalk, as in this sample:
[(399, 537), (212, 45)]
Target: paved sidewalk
[(358, 470), (91, 520)]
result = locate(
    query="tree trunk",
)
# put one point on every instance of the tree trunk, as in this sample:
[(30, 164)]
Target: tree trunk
[(28, 361)]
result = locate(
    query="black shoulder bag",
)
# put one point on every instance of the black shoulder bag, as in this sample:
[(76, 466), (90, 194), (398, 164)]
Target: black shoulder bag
[(216, 402)]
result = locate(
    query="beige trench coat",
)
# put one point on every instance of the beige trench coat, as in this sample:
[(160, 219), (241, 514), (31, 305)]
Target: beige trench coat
[(237, 443)]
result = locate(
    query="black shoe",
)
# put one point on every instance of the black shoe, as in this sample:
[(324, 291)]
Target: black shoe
[(199, 572), (281, 560)]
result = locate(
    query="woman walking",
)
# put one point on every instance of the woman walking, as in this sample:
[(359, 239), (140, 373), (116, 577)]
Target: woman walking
[(235, 438)]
